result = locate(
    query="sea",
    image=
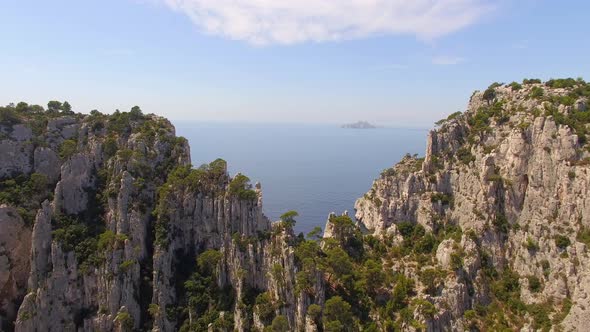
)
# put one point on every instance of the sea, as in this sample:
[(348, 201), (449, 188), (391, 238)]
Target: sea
[(312, 169)]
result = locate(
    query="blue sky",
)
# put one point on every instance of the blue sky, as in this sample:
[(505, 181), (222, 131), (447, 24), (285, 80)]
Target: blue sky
[(284, 61)]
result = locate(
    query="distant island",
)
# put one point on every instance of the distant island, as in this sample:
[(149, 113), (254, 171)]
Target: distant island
[(359, 125)]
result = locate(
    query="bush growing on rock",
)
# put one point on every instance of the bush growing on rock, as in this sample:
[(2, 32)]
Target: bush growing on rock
[(288, 218), (264, 307), (9, 116), (67, 149), (534, 284), (337, 315), (279, 324), (531, 81), (537, 92), (515, 86), (562, 242), (240, 186)]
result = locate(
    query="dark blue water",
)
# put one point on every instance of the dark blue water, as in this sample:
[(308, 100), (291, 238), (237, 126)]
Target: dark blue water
[(312, 169)]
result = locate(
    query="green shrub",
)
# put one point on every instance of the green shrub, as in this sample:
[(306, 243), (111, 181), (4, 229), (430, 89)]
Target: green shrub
[(406, 228), (110, 147), (431, 278), (9, 116), (566, 306), (495, 178), (561, 83), (562, 242), (240, 186), (426, 244), (424, 307), (449, 118), (541, 314), (125, 320), (126, 265), (208, 261), (67, 149), (280, 324), (264, 308), (515, 86), (464, 155), (524, 125), (24, 316), (240, 241), (507, 287), (154, 310), (37, 182), (537, 92), (490, 93), (25, 193), (161, 233), (54, 105), (288, 218), (388, 172), (106, 240), (531, 244), (315, 312), (584, 236), (546, 267), (445, 199), (337, 314), (577, 120), (456, 261), (119, 123), (531, 81), (403, 289), (136, 114), (501, 223), (534, 284)]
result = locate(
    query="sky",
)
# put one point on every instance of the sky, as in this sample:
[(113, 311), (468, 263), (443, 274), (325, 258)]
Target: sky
[(391, 62)]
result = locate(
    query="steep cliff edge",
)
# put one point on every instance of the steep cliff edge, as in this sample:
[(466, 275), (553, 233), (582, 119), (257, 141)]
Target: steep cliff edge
[(106, 226), (511, 176)]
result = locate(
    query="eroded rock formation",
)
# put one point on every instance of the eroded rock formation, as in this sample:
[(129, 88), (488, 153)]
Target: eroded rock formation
[(106, 226)]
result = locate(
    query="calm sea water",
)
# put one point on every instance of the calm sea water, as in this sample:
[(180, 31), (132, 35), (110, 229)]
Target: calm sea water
[(312, 169)]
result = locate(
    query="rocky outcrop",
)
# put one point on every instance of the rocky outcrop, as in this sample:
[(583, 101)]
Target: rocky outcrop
[(119, 230), (16, 151), (514, 177), (489, 231), (15, 242)]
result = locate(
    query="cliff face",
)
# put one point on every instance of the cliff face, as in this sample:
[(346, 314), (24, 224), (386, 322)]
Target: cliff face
[(89, 182), (15, 246), (106, 226), (104, 219), (512, 173)]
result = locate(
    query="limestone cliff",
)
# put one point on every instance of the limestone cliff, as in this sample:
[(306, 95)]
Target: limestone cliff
[(105, 226), (512, 174), (103, 222)]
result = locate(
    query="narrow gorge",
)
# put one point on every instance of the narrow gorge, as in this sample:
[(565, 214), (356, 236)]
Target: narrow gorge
[(106, 226)]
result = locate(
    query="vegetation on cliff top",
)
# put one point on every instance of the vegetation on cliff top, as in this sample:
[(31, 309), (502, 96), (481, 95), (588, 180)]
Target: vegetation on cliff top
[(373, 284), (502, 108)]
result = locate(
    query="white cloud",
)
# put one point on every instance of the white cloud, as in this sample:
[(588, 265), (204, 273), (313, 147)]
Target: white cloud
[(297, 21), (447, 60)]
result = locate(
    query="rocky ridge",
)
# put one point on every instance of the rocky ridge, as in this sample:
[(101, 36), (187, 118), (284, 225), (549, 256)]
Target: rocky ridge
[(116, 218), (511, 173), (109, 227)]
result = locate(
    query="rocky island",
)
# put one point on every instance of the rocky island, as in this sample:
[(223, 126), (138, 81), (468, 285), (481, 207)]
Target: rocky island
[(359, 125), (105, 226)]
